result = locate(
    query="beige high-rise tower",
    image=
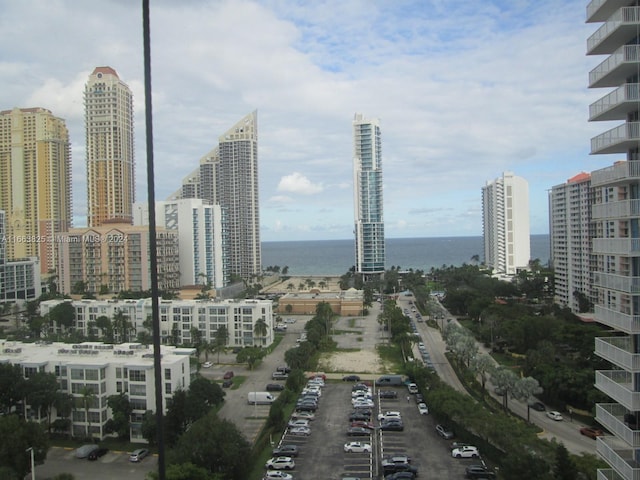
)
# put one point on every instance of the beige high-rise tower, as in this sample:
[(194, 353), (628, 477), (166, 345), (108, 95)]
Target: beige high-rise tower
[(35, 183), (110, 151)]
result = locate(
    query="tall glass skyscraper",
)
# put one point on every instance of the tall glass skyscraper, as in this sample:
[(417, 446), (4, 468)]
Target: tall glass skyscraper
[(367, 188)]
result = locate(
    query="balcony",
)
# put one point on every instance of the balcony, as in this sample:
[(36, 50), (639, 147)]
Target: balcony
[(617, 30), (611, 417), (620, 321), (621, 283), (601, 10), (608, 474), (617, 67), (619, 172), (619, 456), (617, 104), (610, 210), (617, 140), (616, 246), (618, 350), (616, 384)]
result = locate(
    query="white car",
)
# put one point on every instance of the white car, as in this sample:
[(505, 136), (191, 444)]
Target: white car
[(304, 415), (299, 422), (280, 463), (423, 409), (553, 415), (207, 365), (389, 415), (277, 474), (412, 387), (466, 451), (300, 431), (357, 447), (363, 402)]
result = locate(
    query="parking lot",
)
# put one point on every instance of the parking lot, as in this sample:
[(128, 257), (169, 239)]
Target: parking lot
[(322, 455)]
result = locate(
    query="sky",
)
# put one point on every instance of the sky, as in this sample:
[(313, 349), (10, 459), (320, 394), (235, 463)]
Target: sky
[(464, 92)]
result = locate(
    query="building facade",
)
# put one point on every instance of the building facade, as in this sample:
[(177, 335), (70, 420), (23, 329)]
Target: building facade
[(228, 176), (200, 238), (177, 318), (570, 237), (616, 222), (35, 183), (505, 224), (104, 370), (115, 257), (108, 103), (368, 199)]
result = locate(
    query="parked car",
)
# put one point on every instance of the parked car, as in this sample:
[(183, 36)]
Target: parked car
[(400, 476), (96, 454), (283, 369), (277, 474), (553, 415), (388, 394), (279, 376), (419, 398), (389, 414), (300, 431), (85, 450), (138, 455), (445, 432), (363, 402), (413, 388), (398, 458), (392, 425), (227, 375), (357, 447), (358, 432), (389, 468), (298, 422), (286, 451), (351, 378), (359, 417), (363, 424), (207, 364), (591, 432), (280, 463), (227, 383), (423, 409), (468, 451), (274, 387), (479, 472), (304, 415), (538, 406)]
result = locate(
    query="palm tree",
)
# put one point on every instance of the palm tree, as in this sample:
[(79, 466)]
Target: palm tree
[(86, 399), (260, 329), (121, 326), (290, 286), (222, 334)]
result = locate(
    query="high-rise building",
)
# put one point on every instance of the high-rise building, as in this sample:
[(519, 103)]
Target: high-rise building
[(108, 106), (200, 240), (570, 236), (505, 224), (367, 190), (35, 183), (616, 224), (228, 176)]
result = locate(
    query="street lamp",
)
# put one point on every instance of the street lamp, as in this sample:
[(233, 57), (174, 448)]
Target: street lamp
[(33, 463)]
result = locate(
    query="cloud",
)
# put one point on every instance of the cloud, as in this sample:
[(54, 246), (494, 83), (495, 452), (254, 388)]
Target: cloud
[(298, 183)]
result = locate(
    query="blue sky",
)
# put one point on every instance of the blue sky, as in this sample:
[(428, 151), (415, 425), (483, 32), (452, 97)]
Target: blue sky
[(463, 91)]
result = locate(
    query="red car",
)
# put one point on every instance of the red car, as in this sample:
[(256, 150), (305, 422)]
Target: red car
[(228, 375), (363, 424), (591, 432)]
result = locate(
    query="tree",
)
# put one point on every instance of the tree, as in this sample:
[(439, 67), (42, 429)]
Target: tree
[(11, 387), (504, 381), (41, 390), (121, 326), (86, 401), (64, 404), (149, 428), (185, 471), (260, 329), (525, 389), (17, 437), (202, 396), (482, 365), (104, 324), (251, 356), (565, 467), (63, 314), (222, 335), (121, 412)]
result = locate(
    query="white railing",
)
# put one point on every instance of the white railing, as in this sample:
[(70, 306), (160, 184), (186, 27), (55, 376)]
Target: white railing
[(617, 385), (618, 171), (611, 417), (627, 15), (624, 54), (620, 460), (619, 246), (622, 283), (629, 92), (624, 322), (620, 134), (618, 351)]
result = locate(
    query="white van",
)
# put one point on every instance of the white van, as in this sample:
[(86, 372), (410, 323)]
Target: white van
[(260, 398)]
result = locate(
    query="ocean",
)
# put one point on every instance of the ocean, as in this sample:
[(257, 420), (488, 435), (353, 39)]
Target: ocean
[(335, 257)]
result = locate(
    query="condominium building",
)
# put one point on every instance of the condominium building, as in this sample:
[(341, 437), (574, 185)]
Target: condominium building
[(115, 257), (103, 370), (368, 204), (110, 160), (177, 318), (505, 224), (200, 238), (616, 242), (228, 176), (35, 183), (570, 236)]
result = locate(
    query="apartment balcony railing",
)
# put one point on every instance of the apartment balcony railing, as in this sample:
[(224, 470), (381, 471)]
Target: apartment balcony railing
[(616, 384), (616, 246), (616, 31), (617, 140), (621, 209), (619, 456), (611, 417), (618, 351), (608, 474), (617, 104), (620, 283), (617, 67), (601, 10), (620, 171), (623, 322)]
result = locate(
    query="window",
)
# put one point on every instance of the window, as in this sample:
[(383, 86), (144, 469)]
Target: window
[(167, 374), (77, 374), (137, 375), (167, 388), (138, 390)]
